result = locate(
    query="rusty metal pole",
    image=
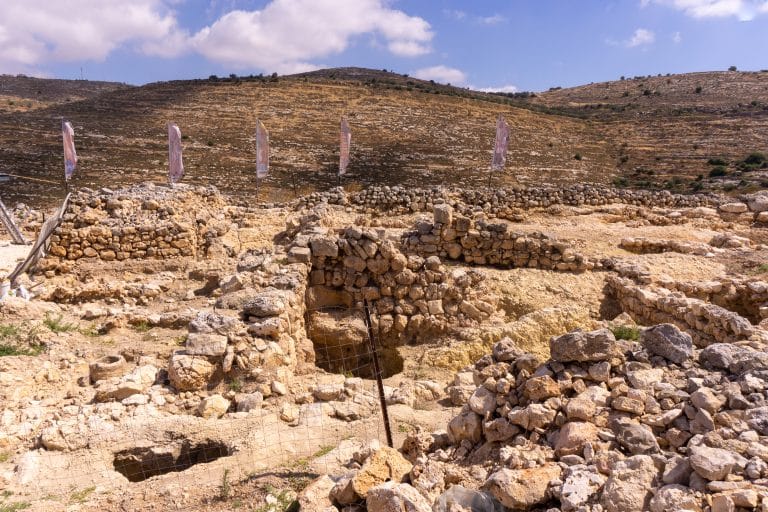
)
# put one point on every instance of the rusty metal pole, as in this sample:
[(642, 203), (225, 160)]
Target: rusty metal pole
[(377, 370)]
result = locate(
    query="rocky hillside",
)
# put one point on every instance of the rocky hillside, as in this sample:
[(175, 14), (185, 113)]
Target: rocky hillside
[(652, 132), (21, 93)]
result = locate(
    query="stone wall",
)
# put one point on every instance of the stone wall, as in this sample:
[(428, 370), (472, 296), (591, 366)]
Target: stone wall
[(642, 245), (414, 296), (707, 323), (257, 332), (140, 222), (748, 297), (484, 243), (502, 202)]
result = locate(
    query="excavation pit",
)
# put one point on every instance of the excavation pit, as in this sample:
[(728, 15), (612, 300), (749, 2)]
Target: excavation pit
[(139, 464)]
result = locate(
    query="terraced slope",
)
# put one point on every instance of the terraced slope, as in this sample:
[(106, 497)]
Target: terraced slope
[(407, 137), (669, 127)]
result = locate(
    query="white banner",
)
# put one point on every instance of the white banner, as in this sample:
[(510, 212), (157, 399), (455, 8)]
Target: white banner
[(500, 147), (262, 150), (70, 156), (346, 142), (175, 164)]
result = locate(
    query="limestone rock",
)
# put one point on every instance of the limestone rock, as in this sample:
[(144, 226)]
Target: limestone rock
[(189, 373), (573, 436), (396, 497), (199, 344), (580, 485), (384, 465), (580, 346), (214, 406), (669, 342), (466, 425), (521, 489), (714, 463), (629, 485), (636, 438), (315, 496), (675, 497)]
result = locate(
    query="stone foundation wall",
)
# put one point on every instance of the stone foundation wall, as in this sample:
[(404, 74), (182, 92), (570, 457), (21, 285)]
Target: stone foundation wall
[(707, 323), (641, 245), (503, 202), (413, 295), (748, 297), (140, 222), (484, 243)]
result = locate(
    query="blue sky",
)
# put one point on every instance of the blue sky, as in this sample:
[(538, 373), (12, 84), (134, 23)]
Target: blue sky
[(484, 44)]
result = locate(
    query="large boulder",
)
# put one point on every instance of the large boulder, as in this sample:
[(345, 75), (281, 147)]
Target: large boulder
[(521, 489), (580, 346), (189, 373), (714, 463), (669, 342), (384, 465)]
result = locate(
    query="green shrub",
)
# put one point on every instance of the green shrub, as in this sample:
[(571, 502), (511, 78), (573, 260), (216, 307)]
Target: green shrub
[(717, 171), (717, 161), (57, 323), (698, 89), (626, 332)]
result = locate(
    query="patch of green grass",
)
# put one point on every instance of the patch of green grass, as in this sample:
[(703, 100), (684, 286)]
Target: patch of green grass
[(141, 326), (82, 495), (13, 507), (235, 385), (57, 323), (4, 457), (626, 332), (763, 268), (225, 489), (324, 450), (285, 501), (20, 340), (9, 331), (91, 331)]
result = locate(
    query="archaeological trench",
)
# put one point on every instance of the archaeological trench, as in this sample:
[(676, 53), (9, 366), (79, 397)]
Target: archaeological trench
[(537, 352)]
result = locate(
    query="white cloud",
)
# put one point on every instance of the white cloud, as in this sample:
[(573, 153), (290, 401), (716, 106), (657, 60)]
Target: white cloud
[(744, 10), (491, 20), (441, 74), (36, 32), (455, 14), (503, 88), (641, 37), (287, 34), (677, 37)]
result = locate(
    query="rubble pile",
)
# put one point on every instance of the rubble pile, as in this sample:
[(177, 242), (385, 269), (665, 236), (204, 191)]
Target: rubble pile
[(603, 425)]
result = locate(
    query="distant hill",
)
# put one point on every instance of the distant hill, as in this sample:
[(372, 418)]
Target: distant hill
[(22, 93), (404, 131)]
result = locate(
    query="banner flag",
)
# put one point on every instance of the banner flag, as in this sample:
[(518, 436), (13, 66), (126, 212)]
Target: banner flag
[(175, 164), (502, 141), (262, 150), (70, 156), (346, 141)]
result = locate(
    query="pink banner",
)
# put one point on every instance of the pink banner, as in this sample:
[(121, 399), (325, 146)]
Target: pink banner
[(70, 156), (346, 141), (500, 147), (175, 164), (262, 150)]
